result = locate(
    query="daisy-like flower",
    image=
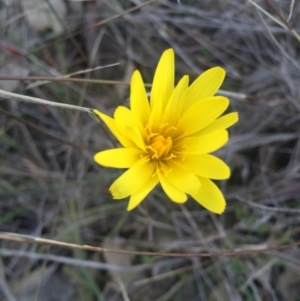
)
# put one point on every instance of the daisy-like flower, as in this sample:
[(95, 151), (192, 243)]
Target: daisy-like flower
[(169, 139)]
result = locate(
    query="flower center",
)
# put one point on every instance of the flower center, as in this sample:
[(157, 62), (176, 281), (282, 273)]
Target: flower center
[(159, 147)]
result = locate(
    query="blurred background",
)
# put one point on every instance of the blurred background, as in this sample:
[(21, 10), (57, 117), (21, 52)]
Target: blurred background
[(50, 186)]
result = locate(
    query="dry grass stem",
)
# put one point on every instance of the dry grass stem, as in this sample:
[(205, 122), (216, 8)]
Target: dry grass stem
[(56, 210)]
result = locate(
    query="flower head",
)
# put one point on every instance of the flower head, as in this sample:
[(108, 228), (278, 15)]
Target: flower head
[(169, 139)]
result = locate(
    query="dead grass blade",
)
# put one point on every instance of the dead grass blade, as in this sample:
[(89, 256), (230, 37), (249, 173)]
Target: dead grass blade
[(55, 243)]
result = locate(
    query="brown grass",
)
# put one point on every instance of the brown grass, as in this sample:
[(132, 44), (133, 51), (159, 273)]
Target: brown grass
[(51, 188)]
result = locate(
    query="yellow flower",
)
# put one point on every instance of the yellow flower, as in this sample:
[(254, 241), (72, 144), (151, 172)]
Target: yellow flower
[(170, 138)]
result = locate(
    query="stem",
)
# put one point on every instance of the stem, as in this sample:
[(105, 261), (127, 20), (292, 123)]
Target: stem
[(9, 95)]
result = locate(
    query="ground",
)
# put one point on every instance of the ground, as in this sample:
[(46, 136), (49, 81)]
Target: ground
[(50, 186)]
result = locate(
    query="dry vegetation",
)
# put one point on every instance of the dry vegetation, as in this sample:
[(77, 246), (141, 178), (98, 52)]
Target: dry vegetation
[(50, 186)]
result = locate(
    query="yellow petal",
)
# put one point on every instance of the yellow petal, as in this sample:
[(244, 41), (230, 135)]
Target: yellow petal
[(137, 197), (175, 194), (205, 165), (206, 85), (184, 180), (176, 102), (139, 103), (163, 82), (111, 124), (201, 114), (133, 179), (130, 127), (210, 196), (118, 157), (223, 122), (203, 144)]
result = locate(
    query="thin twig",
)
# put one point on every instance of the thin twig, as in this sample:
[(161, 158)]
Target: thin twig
[(64, 79), (37, 240), (25, 98), (291, 10), (277, 12), (240, 96), (71, 74), (282, 24)]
